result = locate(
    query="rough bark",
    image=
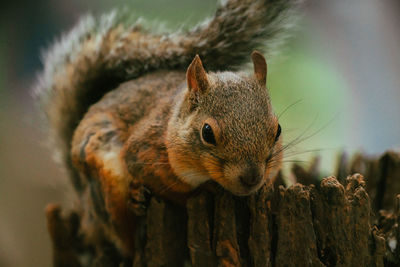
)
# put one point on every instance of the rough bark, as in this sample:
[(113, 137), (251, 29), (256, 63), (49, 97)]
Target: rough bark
[(332, 222)]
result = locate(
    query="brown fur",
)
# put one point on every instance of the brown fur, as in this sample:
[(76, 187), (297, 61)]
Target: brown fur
[(99, 54), (147, 128)]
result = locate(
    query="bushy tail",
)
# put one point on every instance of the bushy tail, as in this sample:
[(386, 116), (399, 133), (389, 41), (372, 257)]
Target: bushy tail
[(98, 54)]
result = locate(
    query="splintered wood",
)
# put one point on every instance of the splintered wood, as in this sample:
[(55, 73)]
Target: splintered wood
[(328, 222)]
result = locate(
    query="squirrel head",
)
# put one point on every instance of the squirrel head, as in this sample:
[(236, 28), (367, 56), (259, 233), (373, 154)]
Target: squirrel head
[(223, 128)]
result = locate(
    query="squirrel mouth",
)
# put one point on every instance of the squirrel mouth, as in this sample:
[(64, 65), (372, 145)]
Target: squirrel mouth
[(239, 190), (239, 180)]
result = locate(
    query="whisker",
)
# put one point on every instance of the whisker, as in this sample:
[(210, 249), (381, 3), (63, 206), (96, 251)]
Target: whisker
[(288, 107), (294, 161), (318, 130), (292, 154), (301, 137)]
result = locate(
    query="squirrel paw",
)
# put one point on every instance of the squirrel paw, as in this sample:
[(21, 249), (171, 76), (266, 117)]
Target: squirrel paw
[(139, 198)]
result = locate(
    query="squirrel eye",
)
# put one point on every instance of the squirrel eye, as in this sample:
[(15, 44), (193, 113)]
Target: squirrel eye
[(208, 134), (278, 133)]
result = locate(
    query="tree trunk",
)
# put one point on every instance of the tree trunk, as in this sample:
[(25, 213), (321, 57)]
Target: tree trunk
[(332, 222)]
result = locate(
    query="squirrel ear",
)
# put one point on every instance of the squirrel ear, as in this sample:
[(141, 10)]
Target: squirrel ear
[(260, 67), (196, 76)]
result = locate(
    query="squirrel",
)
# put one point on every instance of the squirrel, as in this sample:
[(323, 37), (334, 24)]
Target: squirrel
[(130, 111)]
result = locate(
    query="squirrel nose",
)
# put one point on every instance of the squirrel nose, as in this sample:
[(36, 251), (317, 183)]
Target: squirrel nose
[(251, 177)]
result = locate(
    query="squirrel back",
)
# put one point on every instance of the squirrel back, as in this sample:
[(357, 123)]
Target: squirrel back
[(124, 119), (99, 54)]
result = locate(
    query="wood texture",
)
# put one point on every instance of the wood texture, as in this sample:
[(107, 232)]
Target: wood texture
[(350, 221)]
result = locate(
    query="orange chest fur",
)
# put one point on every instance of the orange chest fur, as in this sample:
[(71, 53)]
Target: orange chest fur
[(146, 159)]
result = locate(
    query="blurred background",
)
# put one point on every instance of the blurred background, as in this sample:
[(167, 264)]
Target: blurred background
[(336, 84)]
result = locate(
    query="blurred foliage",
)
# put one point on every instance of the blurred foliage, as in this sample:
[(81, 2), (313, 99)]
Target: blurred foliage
[(310, 99), (173, 13)]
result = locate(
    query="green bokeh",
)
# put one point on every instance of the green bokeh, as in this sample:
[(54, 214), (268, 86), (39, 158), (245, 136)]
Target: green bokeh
[(170, 13), (315, 98)]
